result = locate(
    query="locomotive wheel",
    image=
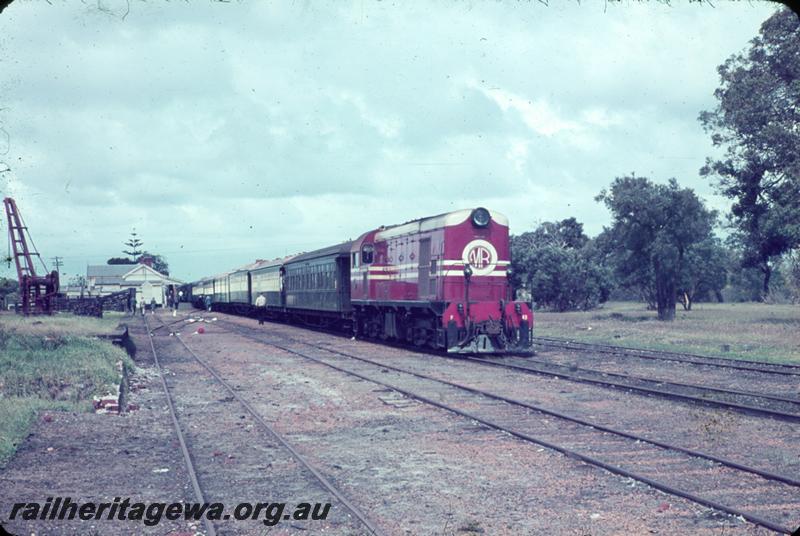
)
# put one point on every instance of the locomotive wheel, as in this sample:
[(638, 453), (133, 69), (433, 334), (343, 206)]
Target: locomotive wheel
[(409, 334), (373, 330), (420, 336)]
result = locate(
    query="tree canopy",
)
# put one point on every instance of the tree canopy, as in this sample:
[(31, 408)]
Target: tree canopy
[(136, 254), (134, 245), (553, 264), (756, 121), (654, 226), (120, 260), (159, 262), (8, 289), (704, 272)]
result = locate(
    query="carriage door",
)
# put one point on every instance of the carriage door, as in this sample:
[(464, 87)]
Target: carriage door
[(343, 285), (282, 280), (367, 253), (423, 283)]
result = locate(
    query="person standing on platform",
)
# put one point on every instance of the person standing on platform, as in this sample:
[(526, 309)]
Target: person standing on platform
[(261, 308)]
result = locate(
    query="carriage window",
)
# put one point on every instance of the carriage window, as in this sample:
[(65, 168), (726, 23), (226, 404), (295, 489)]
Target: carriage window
[(354, 260), (367, 252)]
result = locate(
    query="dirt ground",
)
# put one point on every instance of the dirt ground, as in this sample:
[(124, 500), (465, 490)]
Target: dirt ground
[(413, 469)]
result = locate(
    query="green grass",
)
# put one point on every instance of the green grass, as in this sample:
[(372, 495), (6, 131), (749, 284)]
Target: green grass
[(756, 331), (51, 363), (61, 324)]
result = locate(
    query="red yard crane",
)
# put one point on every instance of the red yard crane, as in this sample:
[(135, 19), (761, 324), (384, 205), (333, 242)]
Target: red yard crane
[(38, 293)]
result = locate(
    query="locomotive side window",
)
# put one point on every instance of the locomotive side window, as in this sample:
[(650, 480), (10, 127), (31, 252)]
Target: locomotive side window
[(367, 253)]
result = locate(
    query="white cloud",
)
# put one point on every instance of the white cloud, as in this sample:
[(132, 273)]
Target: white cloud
[(601, 117), (540, 116)]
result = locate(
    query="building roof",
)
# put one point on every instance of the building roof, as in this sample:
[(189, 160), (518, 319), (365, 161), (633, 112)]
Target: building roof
[(114, 274), (108, 270)]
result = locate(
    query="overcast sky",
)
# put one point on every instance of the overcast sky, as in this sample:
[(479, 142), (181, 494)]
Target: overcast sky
[(226, 132)]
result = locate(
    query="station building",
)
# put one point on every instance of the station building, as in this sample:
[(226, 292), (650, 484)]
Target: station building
[(104, 279)]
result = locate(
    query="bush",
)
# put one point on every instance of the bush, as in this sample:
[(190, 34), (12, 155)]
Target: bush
[(555, 265), (564, 280)]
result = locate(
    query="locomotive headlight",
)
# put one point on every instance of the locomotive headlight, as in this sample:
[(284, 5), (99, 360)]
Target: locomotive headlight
[(480, 217)]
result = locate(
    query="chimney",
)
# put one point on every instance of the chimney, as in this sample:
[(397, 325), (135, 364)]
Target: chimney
[(146, 259)]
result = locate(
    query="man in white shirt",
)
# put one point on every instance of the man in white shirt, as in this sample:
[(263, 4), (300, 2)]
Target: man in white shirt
[(261, 308)]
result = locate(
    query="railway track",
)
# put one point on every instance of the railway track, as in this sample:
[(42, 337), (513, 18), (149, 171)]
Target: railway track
[(721, 362), (783, 408), (749, 402), (761, 497), (187, 458), (190, 465)]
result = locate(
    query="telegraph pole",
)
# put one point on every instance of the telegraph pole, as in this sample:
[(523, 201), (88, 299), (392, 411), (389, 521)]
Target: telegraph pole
[(57, 263)]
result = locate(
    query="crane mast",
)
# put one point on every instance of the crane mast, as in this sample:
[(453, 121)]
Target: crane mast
[(37, 292)]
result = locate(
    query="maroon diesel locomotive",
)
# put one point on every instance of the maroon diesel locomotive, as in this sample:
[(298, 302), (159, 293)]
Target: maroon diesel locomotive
[(439, 282)]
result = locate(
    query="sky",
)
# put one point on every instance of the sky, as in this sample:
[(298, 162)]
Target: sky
[(224, 132)]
